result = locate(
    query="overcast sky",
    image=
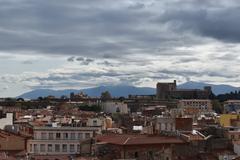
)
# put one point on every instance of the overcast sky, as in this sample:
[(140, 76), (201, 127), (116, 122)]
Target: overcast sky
[(60, 44)]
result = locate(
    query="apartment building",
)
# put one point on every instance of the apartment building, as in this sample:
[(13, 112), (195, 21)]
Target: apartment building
[(231, 106), (169, 124), (165, 124), (201, 104), (59, 140), (6, 120), (115, 107)]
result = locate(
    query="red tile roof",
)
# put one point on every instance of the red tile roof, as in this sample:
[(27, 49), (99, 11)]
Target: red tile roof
[(138, 139)]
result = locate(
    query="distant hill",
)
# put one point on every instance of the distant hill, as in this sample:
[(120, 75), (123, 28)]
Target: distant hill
[(116, 91), (217, 89), (121, 90)]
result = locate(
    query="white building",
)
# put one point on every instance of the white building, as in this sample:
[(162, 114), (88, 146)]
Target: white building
[(97, 122), (59, 140), (165, 124), (202, 104), (8, 120), (115, 107)]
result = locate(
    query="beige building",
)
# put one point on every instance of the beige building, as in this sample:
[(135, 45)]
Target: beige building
[(201, 104), (59, 140), (115, 107), (95, 122), (165, 124)]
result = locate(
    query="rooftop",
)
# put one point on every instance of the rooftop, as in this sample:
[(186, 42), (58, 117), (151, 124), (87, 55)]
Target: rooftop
[(138, 139)]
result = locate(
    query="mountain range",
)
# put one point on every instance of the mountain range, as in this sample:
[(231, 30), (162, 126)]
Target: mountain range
[(124, 90)]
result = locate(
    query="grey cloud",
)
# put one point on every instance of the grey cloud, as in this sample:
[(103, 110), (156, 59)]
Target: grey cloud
[(137, 6), (216, 22), (89, 28), (106, 63), (4, 88), (27, 62), (123, 34), (190, 73), (80, 59), (228, 57), (81, 28), (70, 59), (187, 59), (86, 61)]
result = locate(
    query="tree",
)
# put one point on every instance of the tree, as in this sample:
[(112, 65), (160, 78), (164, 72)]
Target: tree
[(40, 98), (121, 98), (20, 100), (63, 97), (217, 106), (106, 96), (93, 108)]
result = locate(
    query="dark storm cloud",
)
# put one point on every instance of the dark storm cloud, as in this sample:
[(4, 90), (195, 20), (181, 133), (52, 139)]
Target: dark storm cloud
[(125, 41), (219, 22), (89, 28), (60, 27)]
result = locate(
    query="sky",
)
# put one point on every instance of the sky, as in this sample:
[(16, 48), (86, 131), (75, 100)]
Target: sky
[(59, 44)]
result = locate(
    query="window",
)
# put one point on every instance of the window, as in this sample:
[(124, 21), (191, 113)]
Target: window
[(50, 136), (50, 148), (65, 135), (42, 147), (30, 147), (35, 148), (78, 148), (72, 136), (87, 135), (150, 154), (64, 148), (94, 122), (35, 135), (57, 148), (136, 155), (58, 135), (72, 149), (80, 136), (43, 135), (232, 137)]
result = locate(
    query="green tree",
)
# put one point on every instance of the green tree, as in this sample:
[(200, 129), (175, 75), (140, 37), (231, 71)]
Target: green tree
[(106, 96), (93, 108), (217, 106)]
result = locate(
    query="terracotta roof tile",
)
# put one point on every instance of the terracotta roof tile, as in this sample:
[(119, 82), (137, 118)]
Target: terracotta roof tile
[(138, 139)]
